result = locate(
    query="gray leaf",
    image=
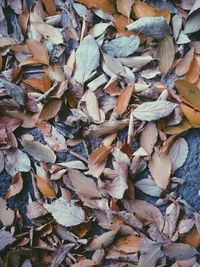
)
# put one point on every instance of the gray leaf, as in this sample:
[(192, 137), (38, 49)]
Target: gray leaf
[(155, 27), (179, 251), (149, 187), (122, 46), (87, 59), (5, 239), (192, 23)]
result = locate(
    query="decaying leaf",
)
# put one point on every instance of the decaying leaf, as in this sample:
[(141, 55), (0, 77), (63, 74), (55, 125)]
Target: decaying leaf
[(103, 240), (92, 106), (6, 239), (6, 215), (123, 100), (178, 153), (149, 187), (148, 137), (179, 251), (155, 27), (38, 51), (134, 62), (192, 115), (15, 187), (105, 5), (87, 59), (44, 187), (66, 213), (150, 111), (160, 168), (184, 64), (129, 244), (124, 7)]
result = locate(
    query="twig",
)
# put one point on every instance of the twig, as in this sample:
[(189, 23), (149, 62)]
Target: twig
[(45, 95)]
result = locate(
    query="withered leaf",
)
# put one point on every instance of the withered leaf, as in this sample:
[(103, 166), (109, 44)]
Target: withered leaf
[(185, 225), (192, 115), (2, 163), (50, 109), (15, 187), (122, 46), (155, 27), (178, 153), (84, 263), (192, 24), (179, 251), (106, 5), (92, 106), (137, 61), (160, 169), (129, 244), (114, 65), (185, 62), (123, 100), (6, 215), (38, 51), (150, 256), (6, 239), (44, 187), (149, 187), (124, 7), (103, 240), (35, 210), (166, 53), (65, 212), (177, 129), (150, 111), (39, 151), (87, 59), (148, 137)]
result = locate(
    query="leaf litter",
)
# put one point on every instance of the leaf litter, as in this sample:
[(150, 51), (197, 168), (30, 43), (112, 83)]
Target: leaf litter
[(93, 93)]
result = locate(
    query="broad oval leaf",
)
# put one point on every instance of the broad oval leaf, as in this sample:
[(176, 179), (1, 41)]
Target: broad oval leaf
[(123, 100), (148, 137), (44, 187), (38, 51), (192, 115)]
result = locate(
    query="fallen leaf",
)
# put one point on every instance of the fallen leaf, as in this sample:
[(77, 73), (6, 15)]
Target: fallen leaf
[(65, 212), (35, 210), (38, 51), (15, 187), (148, 137), (150, 255), (87, 59), (84, 263), (106, 5), (160, 169), (39, 151), (171, 218), (6, 41), (124, 7), (136, 62), (189, 93), (129, 244), (155, 27), (192, 238), (183, 65), (178, 153), (92, 106), (177, 129), (98, 29), (97, 160), (192, 115), (50, 6), (179, 251), (123, 100), (44, 187), (50, 109), (6, 239), (166, 54), (150, 111), (192, 24), (114, 65), (120, 23), (193, 73), (185, 225), (121, 46), (104, 240), (7, 215), (149, 187)]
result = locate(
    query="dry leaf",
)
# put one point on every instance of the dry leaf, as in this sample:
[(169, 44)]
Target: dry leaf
[(148, 137), (192, 115), (166, 54), (183, 65), (39, 151), (189, 92), (185, 225), (92, 106), (177, 129), (38, 51), (124, 7), (192, 238), (106, 5), (150, 111), (150, 255), (136, 62), (149, 187), (44, 187), (6, 239), (160, 169), (50, 6), (97, 160), (35, 210), (129, 244), (171, 218), (65, 212), (179, 251), (15, 187), (7, 215), (120, 23), (114, 65), (123, 100), (50, 109), (84, 263), (103, 240), (178, 153), (155, 27), (87, 59), (193, 73)]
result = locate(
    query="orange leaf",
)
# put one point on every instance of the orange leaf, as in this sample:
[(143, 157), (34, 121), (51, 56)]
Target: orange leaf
[(192, 115), (142, 9), (15, 187), (129, 244), (106, 5), (44, 187), (192, 238), (120, 23), (39, 84), (38, 51), (184, 64), (113, 89), (192, 75), (50, 6), (123, 100)]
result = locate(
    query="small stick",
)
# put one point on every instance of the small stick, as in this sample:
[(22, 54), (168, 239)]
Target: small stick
[(130, 128)]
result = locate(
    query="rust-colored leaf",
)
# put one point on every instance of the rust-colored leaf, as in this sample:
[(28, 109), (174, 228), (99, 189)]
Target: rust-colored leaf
[(123, 100), (44, 187), (38, 51), (15, 187), (50, 6), (129, 244), (106, 5), (193, 73), (120, 23)]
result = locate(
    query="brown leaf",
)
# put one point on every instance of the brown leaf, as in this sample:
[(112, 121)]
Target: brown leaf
[(193, 73), (177, 129), (92, 106), (104, 240), (97, 160), (192, 238), (50, 109), (84, 263), (160, 169), (192, 115), (39, 84), (50, 6), (15, 187), (184, 64), (124, 7), (166, 54), (123, 100), (38, 51), (106, 5), (129, 244), (120, 23), (44, 187), (148, 137)]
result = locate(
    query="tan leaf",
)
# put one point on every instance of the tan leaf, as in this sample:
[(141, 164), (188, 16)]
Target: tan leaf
[(7, 215), (148, 137), (6, 41), (50, 6), (160, 169), (65, 212), (123, 100), (192, 115), (192, 238), (120, 23), (184, 64), (177, 129), (50, 109), (38, 51), (97, 160), (84, 263), (129, 244), (55, 73), (106, 5), (124, 7), (166, 54), (189, 93), (15, 187), (44, 187), (185, 225), (193, 73), (178, 153), (136, 62), (92, 106), (43, 84), (103, 240)]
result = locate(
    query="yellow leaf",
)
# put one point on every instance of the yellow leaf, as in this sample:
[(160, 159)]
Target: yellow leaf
[(44, 187), (123, 100), (38, 51), (129, 244), (189, 93), (192, 115)]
